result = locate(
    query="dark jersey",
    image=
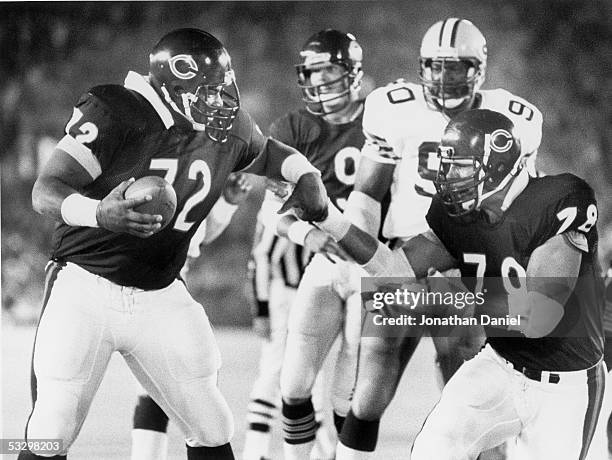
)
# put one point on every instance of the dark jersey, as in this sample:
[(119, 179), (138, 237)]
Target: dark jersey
[(333, 149), (548, 206), (128, 138)]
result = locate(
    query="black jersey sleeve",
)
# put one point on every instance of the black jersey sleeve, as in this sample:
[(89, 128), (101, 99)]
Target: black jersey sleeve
[(254, 141), (94, 126)]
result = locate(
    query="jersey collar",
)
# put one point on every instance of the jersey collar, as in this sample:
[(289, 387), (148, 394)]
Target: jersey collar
[(140, 84)]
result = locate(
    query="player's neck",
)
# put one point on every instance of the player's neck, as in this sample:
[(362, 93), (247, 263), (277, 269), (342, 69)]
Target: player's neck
[(346, 115), (474, 103)]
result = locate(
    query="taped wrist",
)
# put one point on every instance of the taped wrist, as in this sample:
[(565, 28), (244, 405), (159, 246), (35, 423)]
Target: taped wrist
[(363, 211), (335, 224), (386, 262), (79, 211)]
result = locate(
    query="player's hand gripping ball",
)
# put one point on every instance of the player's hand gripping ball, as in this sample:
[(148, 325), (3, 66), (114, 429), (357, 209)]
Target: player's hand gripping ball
[(163, 197)]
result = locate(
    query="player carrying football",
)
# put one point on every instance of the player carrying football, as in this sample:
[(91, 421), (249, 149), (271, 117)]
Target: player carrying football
[(112, 283), (150, 423)]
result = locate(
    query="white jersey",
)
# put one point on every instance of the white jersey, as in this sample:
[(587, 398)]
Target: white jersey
[(402, 129)]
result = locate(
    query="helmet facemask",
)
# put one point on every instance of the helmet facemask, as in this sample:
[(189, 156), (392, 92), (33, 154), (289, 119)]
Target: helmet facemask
[(330, 96), (464, 182), (209, 108), (459, 181), (213, 109), (450, 84)]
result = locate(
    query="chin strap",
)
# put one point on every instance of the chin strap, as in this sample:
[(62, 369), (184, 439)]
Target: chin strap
[(187, 115), (491, 204), (516, 188)]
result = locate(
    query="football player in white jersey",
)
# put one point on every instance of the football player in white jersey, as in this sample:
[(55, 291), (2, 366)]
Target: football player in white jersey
[(403, 123)]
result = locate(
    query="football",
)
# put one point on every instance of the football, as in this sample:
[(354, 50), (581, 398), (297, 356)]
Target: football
[(162, 193)]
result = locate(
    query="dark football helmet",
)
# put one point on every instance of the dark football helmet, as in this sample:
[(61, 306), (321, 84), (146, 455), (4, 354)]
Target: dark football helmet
[(193, 72), (322, 50), (479, 155), (453, 62)]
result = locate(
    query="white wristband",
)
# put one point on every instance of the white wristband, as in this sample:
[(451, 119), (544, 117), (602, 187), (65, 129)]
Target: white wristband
[(79, 211), (296, 165), (335, 223), (298, 230)]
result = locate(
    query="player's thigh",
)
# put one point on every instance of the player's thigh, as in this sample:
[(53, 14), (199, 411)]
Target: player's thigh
[(173, 337), (71, 353), (315, 320), (71, 328), (475, 412), (317, 310), (563, 421), (176, 360)]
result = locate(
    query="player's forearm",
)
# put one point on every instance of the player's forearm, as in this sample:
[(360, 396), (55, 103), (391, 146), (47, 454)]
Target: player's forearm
[(54, 198), (282, 162), (360, 246), (218, 219), (372, 182), (539, 313), (367, 251)]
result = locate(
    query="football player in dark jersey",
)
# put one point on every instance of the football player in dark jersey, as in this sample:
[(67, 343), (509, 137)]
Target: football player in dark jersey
[(150, 423), (328, 131), (112, 283), (327, 305), (403, 123), (533, 243)]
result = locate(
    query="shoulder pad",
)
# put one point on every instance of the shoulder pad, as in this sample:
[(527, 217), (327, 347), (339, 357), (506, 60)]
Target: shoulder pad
[(124, 104), (297, 127)]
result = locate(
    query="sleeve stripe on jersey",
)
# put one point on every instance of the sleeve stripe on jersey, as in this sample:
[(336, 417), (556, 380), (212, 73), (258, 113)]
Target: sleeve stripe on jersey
[(377, 142), (81, 154), (376, 156), (374, 137)]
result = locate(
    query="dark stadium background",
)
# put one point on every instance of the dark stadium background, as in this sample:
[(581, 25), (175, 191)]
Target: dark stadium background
[(556, 54)]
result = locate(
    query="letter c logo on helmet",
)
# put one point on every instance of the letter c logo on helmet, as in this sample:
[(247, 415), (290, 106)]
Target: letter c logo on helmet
[(501, 141), (191, 66)]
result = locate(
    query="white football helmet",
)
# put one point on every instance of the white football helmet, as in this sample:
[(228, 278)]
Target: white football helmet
[(452, 64)]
